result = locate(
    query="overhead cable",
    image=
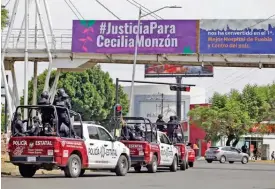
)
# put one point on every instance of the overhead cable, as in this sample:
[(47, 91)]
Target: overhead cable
[(107, 9), (72, 10), (147, 9), (76, 9)]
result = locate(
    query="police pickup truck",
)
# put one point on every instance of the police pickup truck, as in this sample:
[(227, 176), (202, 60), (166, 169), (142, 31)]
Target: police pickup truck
[(154, 150), (93, 149)]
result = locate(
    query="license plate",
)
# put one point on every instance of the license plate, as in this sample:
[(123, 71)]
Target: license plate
[(210, 157), (31, 159)]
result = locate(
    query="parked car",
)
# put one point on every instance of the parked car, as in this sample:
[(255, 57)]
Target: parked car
[(224, 154)]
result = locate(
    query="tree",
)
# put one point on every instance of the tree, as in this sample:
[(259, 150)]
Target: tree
[(4, 18), (225, 118), (92, 92), (234, 114)]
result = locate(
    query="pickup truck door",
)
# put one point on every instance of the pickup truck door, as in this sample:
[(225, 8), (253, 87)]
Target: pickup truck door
[(111, 149), (93, 145), (166, 150)]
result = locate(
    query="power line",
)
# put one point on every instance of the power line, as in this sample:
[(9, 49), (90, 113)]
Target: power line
[(142, 10), (261, 21), (147, 9), (108, 9), (72, 10), (6, 4), (76, 9)]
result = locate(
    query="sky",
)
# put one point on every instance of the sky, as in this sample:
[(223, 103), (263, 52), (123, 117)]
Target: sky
[(224, 78)]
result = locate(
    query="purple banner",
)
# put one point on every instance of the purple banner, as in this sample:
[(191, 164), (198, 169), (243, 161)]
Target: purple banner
[(119, 36)]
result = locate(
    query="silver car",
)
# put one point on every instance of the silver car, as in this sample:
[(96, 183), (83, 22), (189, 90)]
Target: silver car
[(226, 153)]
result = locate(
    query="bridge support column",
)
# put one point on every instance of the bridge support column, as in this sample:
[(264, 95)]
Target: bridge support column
[(34, 94), (54, 86), (3, 66), (15, 88), (46, 86)]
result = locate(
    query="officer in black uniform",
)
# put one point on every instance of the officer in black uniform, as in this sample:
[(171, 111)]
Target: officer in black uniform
[(139, 132), (47, 112), (170, 127), (19, 129), (44, 98), (62, 100), (36, 128), (160, 123)]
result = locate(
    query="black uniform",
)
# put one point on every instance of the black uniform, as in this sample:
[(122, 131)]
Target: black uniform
[(160, 123), (125, 133), (62, 100), (139, 133), (35, 130), (47, 113), (170, 127), (19, 129)]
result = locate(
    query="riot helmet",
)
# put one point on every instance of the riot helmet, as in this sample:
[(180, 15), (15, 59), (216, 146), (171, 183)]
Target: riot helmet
[(45, 95), (61, 92), (160, 116)]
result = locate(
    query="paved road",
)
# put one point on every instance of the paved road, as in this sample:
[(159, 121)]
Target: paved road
[(202, 176)]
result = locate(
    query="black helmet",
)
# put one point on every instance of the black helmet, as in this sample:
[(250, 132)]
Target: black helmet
[(160, 116), (171, 118), (175, 117), (60, 92), (131, 127), (45, 94)]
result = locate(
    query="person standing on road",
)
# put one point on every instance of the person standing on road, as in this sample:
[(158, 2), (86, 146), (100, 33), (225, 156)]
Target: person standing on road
[(273, 156)]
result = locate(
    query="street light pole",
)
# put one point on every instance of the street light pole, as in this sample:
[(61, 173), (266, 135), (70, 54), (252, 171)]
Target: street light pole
[(136, 52), (134, 65)]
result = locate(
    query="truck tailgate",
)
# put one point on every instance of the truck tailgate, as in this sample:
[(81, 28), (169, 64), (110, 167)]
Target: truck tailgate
[(32, 149)]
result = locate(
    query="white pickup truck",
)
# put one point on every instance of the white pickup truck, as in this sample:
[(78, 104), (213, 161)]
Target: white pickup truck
[(95, 149)]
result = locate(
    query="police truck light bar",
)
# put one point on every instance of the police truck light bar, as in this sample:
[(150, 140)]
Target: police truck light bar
[(180, 88)]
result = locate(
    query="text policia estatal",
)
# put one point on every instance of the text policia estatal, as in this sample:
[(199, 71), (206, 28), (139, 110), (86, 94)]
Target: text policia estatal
[(124, 35), (102, 151), (166, 153)]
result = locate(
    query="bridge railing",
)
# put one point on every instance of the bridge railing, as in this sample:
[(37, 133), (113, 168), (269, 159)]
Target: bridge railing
[(63, 39)]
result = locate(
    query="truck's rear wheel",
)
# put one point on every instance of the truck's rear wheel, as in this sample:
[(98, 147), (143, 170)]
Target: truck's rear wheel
[(183, 166), (153, 167), (174, 166), (73, 168), (122, 166), (27, 171)]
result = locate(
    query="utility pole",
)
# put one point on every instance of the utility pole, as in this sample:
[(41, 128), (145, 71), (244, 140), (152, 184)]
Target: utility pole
[(178, 79), (162, 99)]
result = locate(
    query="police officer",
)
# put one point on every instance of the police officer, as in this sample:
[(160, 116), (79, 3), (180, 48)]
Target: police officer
[(19, 129), (170, 127), (47, 112), (44, 98), (160, 123), (124, 130), (62, 100), (36, 128), (131, 132), (139, 133)]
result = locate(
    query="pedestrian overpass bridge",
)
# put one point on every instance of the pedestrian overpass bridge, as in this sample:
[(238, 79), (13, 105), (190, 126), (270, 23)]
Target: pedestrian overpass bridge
[(64, 59)]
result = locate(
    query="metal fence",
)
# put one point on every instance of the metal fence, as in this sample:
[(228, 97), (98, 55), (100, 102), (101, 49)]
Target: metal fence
[(63, 39)]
